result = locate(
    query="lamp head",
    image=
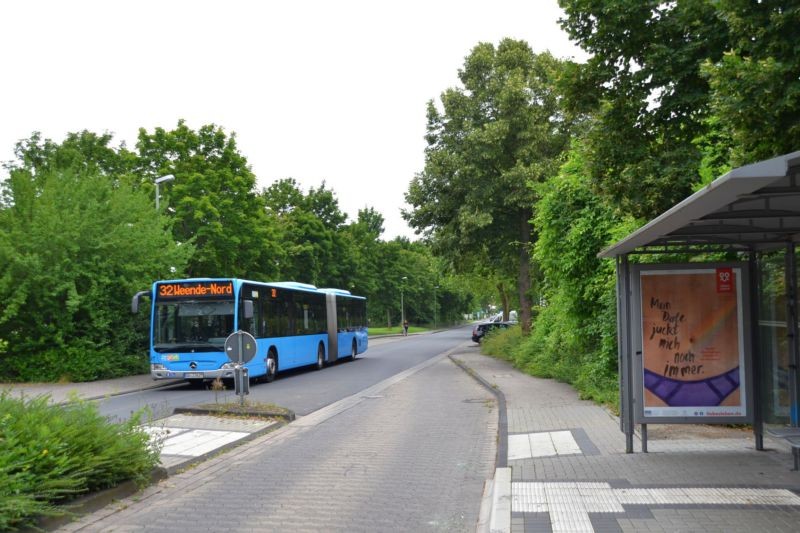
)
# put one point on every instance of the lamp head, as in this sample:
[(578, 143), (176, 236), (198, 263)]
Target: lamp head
[(162, 179)]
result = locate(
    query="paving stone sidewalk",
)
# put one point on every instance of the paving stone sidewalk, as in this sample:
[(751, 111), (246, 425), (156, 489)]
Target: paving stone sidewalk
[(411, 453), (570, 471)]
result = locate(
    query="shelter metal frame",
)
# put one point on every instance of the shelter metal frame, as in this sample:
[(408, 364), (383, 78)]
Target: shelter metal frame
[(749, 210)]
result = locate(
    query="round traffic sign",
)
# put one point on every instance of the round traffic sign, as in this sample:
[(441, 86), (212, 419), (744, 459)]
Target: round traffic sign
[(240, 347)]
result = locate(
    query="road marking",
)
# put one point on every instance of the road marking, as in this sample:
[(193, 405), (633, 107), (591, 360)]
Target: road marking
[(569, 503)]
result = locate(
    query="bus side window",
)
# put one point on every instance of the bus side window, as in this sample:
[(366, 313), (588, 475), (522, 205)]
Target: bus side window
[(248, 324)]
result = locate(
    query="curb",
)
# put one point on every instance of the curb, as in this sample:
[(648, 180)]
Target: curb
[(156, 385), (94, 501), (288, 415), (500, 520), (485, 514), (495, 514), (501, 460)]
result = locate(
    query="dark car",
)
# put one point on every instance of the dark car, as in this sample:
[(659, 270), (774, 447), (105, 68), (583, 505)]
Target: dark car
[(482, 329)]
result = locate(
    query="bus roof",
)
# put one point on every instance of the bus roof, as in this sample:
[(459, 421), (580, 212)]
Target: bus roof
[(336, 291), (293, 285), (341, 292)]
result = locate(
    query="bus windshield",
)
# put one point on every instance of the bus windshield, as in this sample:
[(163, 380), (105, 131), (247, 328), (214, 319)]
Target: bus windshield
[(200, 326)]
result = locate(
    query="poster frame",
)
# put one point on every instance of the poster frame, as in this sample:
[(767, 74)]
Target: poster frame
[(745, 328)]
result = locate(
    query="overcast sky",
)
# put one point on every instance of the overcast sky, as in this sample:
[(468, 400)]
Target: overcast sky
[(314, 90)]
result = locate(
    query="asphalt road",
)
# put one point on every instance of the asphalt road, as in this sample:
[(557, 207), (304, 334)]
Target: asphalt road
[(306, 390)]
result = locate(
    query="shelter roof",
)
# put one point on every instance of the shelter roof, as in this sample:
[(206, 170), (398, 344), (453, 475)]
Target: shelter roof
[(754, 207)]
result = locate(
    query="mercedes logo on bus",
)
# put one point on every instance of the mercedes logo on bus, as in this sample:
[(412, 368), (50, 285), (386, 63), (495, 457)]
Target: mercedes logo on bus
[(193, 365)]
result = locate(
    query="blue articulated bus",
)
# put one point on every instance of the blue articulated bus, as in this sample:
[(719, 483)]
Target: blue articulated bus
[(294, 324)]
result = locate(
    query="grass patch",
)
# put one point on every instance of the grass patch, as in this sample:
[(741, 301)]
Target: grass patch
[(375, 332), (236, 409), (50, 454)]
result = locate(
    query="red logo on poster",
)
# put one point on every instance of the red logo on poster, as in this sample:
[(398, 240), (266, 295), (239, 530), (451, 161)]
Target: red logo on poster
[(724, 280)]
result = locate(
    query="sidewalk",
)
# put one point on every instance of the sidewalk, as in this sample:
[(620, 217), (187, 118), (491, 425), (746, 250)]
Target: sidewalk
[(92, 390), (569, 470)]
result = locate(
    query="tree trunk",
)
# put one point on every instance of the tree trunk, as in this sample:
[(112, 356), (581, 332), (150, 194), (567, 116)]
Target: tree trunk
[(524, 279), (501, 288)]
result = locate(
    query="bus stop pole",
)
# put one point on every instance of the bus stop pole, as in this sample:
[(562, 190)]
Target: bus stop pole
[(240, 366)]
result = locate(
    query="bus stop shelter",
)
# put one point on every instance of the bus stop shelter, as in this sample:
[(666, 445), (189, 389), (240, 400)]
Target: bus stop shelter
[(707, 319)]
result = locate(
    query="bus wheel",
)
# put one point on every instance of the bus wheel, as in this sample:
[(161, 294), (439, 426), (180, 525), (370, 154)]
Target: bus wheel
[(320, 357), (354, 353), (272, 367)]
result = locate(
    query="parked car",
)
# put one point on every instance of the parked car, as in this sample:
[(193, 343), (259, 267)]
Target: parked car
[(480, 330)]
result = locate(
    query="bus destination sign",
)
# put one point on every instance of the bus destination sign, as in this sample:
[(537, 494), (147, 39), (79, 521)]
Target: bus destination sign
[(195, 289)]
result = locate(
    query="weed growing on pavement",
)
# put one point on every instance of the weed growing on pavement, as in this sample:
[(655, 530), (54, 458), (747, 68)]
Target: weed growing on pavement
[(217, 386)]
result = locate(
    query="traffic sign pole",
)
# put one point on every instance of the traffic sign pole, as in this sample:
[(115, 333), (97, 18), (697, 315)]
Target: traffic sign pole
[(240, 347)]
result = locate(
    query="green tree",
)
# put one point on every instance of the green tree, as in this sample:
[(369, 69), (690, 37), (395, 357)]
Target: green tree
[(643, 79), (315, 248), (214, 199), (364, 235), (755, 85), (407, 267), (680, 89), (494, 137), (574, 334), (74, 246), (83, 151)]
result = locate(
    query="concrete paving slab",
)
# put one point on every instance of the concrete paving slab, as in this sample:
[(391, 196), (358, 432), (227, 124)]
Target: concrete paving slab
[(186, 439)]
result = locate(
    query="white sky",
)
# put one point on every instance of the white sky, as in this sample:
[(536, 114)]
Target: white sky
[(314, 90)]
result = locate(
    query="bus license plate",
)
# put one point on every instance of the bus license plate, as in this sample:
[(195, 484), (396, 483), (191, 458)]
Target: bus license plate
[(188, 375)]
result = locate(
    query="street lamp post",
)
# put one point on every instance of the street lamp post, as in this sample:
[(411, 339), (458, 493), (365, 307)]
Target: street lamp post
[(159, 181), (435, 305), (402, 307)]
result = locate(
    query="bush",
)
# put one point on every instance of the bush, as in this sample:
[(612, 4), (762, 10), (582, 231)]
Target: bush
[(73, 364), (557, 350), (51, 453), (75, 245), (502, 342)]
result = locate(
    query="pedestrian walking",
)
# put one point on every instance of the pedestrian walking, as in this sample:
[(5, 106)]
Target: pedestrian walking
[(405, 328)]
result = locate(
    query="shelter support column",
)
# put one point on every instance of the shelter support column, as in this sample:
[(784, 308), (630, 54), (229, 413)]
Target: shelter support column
[(624, 337), (791, 329), (755, 351)]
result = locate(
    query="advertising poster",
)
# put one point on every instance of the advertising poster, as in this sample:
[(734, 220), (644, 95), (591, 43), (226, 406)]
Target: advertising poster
[(693, 357)]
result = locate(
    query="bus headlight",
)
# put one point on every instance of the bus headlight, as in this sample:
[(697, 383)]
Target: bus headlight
[(157, 366), (228, 366)]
